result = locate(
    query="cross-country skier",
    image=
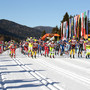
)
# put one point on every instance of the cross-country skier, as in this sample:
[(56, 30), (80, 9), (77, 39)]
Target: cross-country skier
[(57, 48), (39, 48), (35, 47), (0, 46), (26, 47), (73, 43), (46, 47), (81, 42), (66, 48), (52, 45), (30, 47), (43, 48), (61, 47), (12, 49), (88, 48)]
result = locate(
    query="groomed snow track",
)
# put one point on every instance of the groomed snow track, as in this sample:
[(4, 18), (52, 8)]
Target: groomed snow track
[(60, 73), (47, 82)]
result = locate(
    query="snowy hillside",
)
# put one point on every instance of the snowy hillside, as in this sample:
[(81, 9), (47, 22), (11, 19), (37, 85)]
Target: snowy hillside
[(43, 73)]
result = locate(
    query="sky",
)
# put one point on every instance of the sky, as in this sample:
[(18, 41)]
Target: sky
[(41, 12)]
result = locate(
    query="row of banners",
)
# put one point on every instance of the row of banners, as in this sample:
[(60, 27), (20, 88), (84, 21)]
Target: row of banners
[(72, 29)]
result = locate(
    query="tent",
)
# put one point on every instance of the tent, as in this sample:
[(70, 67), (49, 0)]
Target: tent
[(49, 35)]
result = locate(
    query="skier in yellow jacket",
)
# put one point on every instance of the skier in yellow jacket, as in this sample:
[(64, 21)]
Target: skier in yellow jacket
[(88, 48), (73, 43)]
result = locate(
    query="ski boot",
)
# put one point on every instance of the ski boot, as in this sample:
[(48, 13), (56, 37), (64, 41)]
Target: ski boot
[(28, 54), (78, 55), (70, 56), (58, 54), (14, 56), (73, 56), (88, 56), (32, 56), (50, 56), (55, 53), (81, 56), (53, 56), (11, 56), (47, 55), (61, 54), (35, 56)]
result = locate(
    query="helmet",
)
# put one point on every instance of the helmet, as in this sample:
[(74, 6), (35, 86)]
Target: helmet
[(35, 40), (47, 41), (57, 41), (88, 39), (73, 36), (11, 43), (52, 41)]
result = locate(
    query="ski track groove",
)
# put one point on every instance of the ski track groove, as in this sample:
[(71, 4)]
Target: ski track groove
[(41, 78), (70, 74), (85, 80), (75, 66), (1, 82)]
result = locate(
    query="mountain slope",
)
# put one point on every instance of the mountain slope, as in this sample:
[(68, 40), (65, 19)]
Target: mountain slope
[(48, 29), (18, 31)]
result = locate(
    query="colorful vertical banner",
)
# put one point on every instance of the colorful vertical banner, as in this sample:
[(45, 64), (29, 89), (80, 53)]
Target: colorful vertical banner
[(61, 30), (87, 22), (66, 29), (75, 25), (69, 28), (72, 27), (82, 24), (78, 26)]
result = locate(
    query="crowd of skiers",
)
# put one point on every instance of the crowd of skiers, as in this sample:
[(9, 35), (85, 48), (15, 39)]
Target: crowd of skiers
[(12, 45), (33, 47), (4, 46)]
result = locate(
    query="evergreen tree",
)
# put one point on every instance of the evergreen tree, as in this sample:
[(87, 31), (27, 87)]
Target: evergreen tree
[(66, 17), (1, 38), (43, 33), (55, 30), (59, 32)]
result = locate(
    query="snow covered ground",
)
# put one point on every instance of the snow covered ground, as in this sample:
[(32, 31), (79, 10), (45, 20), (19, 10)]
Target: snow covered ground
[(60, 73)]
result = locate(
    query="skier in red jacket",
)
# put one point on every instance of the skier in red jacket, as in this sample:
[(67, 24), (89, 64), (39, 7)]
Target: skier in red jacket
[(46, 47), (12, 48)]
